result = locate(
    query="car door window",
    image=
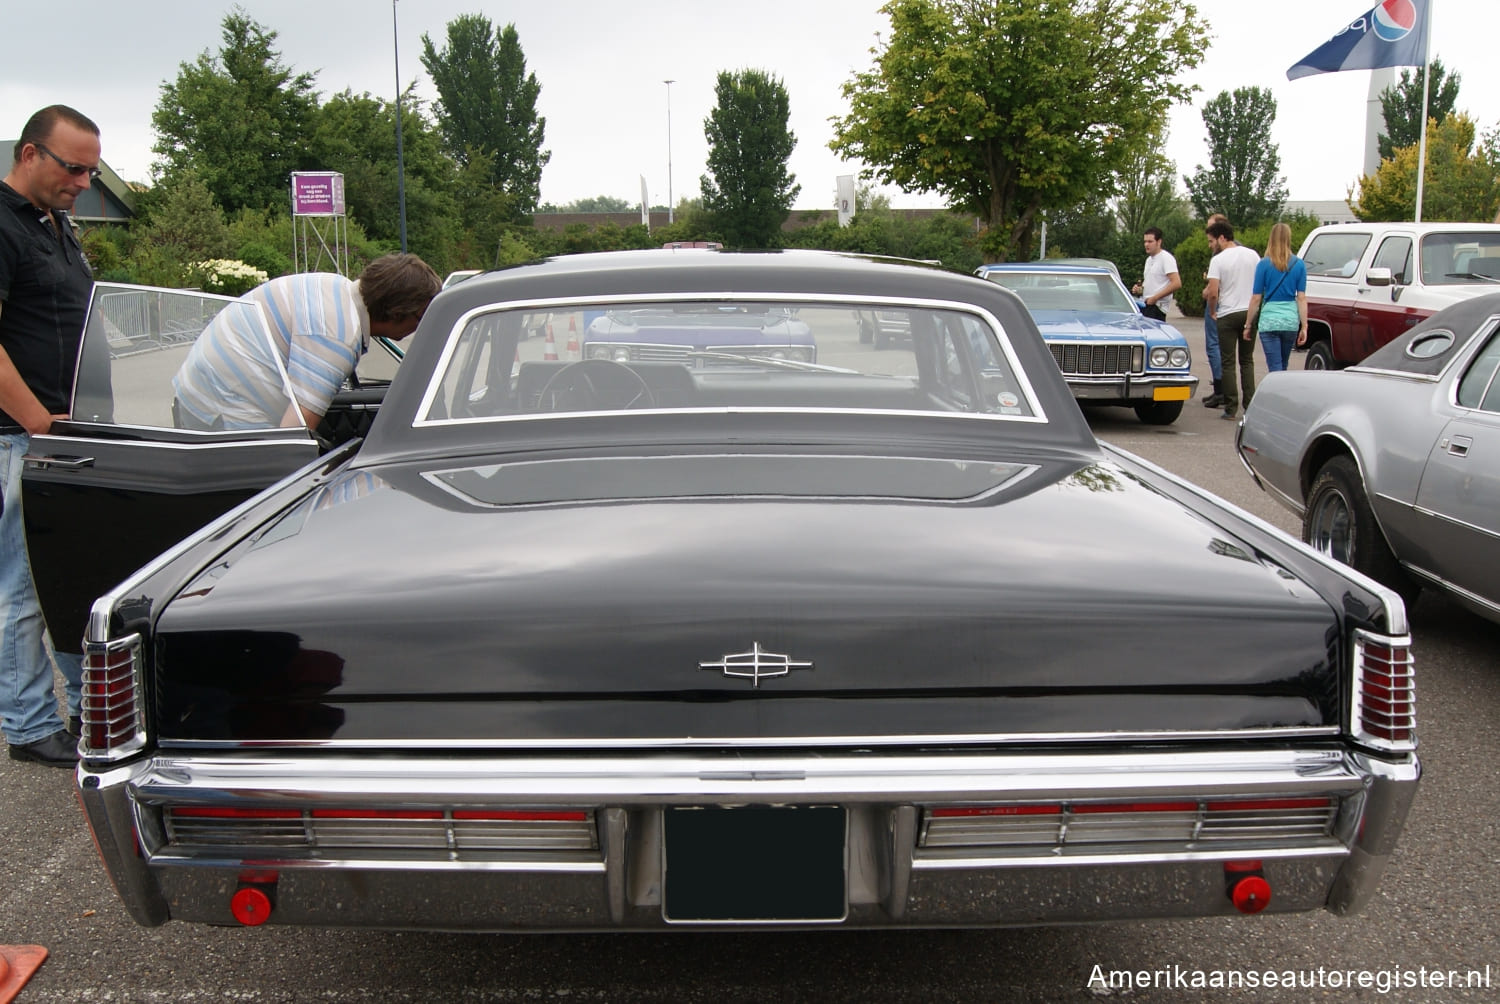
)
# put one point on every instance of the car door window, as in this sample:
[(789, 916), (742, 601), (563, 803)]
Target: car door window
[(1395, 254), (137, 338), (1479, 388), (1335, 255)]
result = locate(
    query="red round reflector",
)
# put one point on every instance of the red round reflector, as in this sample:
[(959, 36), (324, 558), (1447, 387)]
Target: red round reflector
[(1251, 894), (250, 906)]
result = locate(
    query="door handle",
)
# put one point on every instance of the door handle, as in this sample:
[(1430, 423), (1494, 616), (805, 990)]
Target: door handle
[(1458, 446), (38, 462)]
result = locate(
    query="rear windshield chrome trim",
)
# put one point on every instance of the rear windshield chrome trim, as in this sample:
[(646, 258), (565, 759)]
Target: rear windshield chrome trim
[(450, 346), (760, 742)]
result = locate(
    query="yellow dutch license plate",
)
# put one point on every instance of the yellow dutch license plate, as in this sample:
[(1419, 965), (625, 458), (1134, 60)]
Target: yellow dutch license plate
[(1171, 394)]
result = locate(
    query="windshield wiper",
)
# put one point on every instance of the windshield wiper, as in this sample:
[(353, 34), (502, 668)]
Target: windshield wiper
[(1471, 275), (786, 364)]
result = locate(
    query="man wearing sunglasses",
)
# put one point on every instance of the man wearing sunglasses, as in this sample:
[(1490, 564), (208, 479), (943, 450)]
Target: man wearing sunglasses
[(45, 283)]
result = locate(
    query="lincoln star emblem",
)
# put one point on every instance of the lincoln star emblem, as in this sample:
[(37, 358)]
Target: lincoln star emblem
[(755, 665)]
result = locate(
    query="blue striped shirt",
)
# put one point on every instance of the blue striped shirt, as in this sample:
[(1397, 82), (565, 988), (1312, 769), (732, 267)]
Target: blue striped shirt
[(306, 335)]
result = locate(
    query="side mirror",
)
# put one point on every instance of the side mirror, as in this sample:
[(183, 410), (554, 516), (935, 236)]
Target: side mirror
[(1378, 276)]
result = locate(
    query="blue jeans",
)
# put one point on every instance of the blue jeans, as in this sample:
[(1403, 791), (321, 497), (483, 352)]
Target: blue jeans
[(1211, 344), (28, 705), (1278, 346)]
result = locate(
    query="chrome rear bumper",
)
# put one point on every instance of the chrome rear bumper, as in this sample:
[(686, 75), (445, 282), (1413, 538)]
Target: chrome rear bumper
[(419, 875)]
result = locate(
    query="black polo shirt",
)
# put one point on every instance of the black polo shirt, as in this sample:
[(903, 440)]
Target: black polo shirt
[(45, 282)]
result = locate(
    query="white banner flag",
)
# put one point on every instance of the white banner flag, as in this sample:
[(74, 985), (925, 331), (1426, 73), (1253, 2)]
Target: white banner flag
[(645, 204), (846, 199)]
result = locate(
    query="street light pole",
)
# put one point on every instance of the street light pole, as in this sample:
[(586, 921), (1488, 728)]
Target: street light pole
[(400, 155), (670, 206)]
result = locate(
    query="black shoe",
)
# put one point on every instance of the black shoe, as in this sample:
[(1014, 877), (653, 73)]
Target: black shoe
[(1214, 401), (57, 750), (75, 726), (1229, 416)]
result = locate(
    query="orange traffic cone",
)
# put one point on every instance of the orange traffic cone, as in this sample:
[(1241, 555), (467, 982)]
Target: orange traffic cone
[(574, 352), (549, 350), (17, 963)]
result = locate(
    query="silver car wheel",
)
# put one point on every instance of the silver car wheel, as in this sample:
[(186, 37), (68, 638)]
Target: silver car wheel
[(1329, 527)]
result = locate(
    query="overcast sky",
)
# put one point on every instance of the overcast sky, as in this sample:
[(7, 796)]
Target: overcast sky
[(601, 67)]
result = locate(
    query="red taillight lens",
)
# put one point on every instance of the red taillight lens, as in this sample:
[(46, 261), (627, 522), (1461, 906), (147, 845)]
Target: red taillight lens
[(1384, 707), (112, 726)]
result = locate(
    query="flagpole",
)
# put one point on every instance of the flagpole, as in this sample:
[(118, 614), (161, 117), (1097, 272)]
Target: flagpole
[(1426, 82)]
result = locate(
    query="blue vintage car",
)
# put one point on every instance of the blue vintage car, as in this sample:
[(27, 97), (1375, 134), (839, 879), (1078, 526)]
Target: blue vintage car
[(1108, 351)]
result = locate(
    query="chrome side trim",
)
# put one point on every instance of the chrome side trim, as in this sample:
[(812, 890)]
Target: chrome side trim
[(1444, 517), (755, 742), (1466, 595), (1398, 374), (297, 437)]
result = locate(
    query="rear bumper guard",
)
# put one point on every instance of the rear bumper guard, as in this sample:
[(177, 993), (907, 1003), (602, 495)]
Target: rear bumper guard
[(615, 882)]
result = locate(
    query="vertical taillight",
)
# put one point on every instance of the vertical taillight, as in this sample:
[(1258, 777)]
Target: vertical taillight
[(112, 723), (1383, 712)]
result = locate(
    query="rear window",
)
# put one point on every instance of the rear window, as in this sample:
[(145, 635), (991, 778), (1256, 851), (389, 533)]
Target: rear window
[(693, 355)]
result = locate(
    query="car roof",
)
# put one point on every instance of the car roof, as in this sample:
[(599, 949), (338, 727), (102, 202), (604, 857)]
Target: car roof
[(1069, 268), (1411, 228)]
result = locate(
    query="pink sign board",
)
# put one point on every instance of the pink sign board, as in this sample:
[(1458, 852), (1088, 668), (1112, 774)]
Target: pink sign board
[(317, 193)]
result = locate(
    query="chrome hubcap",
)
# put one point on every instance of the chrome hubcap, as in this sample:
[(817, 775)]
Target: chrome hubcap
[(1329, 527)]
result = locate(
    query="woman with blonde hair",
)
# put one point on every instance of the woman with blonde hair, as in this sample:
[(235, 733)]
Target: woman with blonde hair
[(1278, 301)]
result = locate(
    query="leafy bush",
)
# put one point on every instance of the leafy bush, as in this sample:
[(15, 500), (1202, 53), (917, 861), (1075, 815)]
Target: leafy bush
[(266, 258)]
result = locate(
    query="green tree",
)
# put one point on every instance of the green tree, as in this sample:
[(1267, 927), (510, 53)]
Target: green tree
[(1011, 107), (182, 224), (1401, 106), (1462, 182), (1147, 188), (240, 120), (487, 102), (356, 136), (748, 189), (1243, 180)]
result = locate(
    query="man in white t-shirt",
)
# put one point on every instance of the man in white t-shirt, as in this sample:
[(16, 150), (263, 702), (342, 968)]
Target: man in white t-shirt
[(1161, 279), (1231, 278)]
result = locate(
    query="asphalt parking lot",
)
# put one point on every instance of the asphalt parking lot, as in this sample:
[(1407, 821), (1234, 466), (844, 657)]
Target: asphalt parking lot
[(1433, 914)]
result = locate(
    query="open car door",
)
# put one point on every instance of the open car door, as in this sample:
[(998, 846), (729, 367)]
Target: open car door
[(120, 482)]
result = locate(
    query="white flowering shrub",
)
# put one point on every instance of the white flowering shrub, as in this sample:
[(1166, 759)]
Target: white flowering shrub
[(228, 276)]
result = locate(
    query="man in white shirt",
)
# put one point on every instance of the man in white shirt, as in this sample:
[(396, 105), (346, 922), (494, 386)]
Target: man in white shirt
[(1161, 279), (1231, 278)]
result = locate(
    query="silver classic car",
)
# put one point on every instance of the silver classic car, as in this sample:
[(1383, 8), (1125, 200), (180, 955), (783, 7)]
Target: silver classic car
[(1394, 464), (882, 640)]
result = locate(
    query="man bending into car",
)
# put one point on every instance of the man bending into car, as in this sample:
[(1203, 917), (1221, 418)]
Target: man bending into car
[(313, 326)]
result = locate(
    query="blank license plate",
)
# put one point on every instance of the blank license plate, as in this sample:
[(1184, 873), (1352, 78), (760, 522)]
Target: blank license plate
[(755, 864)]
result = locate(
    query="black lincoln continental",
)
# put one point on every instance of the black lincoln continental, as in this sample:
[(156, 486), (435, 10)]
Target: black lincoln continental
[(711, 637)]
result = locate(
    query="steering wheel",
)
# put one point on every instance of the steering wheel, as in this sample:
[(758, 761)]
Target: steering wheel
[(595, 385)]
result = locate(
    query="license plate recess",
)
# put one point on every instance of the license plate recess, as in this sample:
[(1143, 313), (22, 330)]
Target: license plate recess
[(755, 864)]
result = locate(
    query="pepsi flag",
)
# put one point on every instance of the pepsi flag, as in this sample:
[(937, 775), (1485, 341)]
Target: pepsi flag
[(1392, 33)]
